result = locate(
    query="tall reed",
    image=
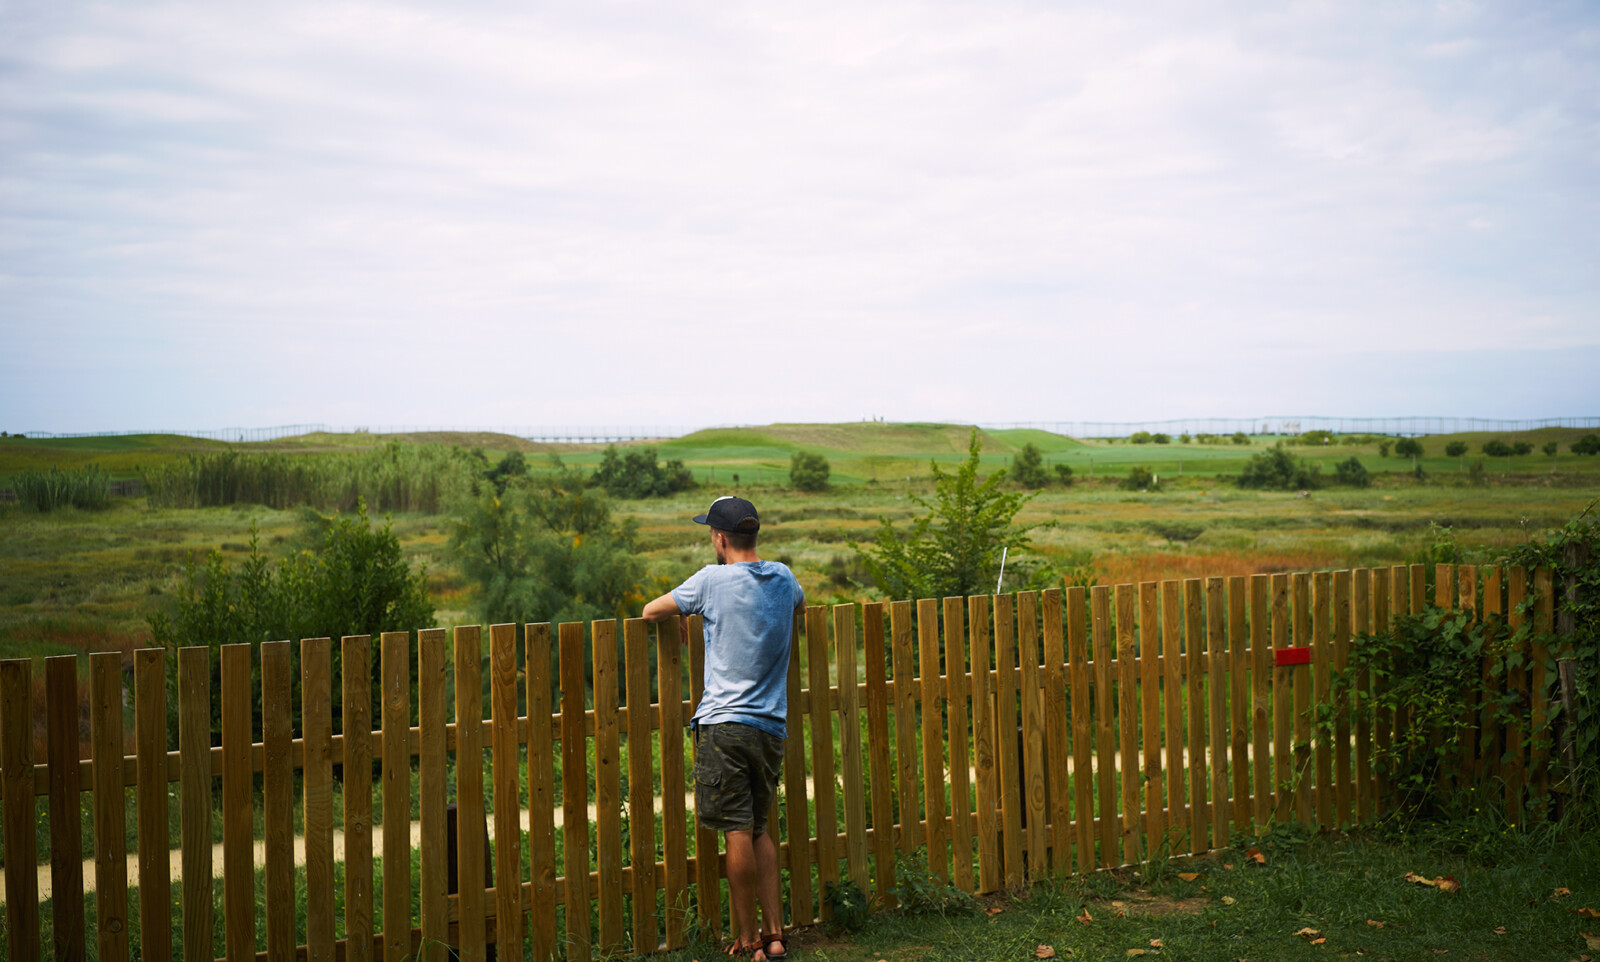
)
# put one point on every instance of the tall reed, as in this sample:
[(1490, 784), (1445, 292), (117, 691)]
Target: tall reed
[(86, 487)]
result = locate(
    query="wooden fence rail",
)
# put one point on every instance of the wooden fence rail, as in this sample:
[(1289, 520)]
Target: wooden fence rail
[(1007, 737)]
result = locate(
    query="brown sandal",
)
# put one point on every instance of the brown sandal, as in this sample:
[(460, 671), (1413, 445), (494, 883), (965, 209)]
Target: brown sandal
[(782, 956)]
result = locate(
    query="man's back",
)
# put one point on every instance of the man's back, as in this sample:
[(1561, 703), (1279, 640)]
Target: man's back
[(748, 608)]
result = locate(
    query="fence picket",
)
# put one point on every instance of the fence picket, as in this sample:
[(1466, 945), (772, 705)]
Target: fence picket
[(930, 689), (1155, 823), (1005, 724), (641, 788), (855, 803), (66, 812), (541, 791), (1517, 678), (873, 654), (1488, 762), (1361, 697), (1216, 682), (1322, 657), (1261, 700), (708, 870), (507, 807), (277, 733), (1177, 819), (801, 908), (432, 766), (1128, 724), (1239, 701), (822, 742), (16, 762), (1304, 771), (955, 654), (356, 711), (1082, 737), (1033, 777), (1194, 628), (901, 630), (574, 789), (1282, 702), (155, 874), (1383, 720), (985, 764), (1058, 749), (316, 728), (395, 658), (1341, 663), (1539, 684), (1105, 746), (238, 868), (607, 785)]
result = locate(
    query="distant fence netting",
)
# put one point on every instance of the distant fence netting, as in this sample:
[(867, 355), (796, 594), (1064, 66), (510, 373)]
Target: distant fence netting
[(1006, 737)]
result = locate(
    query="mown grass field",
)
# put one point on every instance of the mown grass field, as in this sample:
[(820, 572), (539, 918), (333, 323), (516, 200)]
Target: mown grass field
[(78, 581)]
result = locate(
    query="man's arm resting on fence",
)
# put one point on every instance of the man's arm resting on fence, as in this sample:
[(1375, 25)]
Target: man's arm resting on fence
[(661, 608)]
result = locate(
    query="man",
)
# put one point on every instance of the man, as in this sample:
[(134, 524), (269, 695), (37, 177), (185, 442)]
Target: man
[(748, 608)]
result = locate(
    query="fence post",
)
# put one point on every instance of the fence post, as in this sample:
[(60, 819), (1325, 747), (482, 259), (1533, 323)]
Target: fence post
[(16, 761)]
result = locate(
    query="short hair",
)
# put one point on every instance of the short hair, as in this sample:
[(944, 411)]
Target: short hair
[(745, 538)]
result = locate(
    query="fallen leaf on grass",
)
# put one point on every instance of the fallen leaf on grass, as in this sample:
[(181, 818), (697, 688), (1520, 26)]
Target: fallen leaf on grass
[(1044, 952), (1308, 933), (1441, 951), (1587, 913), (1499, 930), (1155, 943), (1255, 856), (1188, 876), (1136, 952), (1318, 941), (1375, 923), (1228, 900), (1227, 866), (1556, 895), (995, 909), (1086, 918), (1444, 883), (1591, 939)]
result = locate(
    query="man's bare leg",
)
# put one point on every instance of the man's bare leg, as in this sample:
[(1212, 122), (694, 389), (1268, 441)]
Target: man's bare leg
[(743, 875), (767, 889)]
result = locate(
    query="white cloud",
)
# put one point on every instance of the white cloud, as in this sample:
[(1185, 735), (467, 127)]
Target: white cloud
[(935, 208)]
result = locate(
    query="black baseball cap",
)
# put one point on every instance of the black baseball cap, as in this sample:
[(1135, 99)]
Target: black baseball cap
[(728, 513)]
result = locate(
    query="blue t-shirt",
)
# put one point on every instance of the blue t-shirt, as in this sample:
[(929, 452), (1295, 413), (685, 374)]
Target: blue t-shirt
[(748, 608)]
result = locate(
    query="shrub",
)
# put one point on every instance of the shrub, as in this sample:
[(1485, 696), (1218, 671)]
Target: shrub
[(1161, 438), (1522, 448), (1352, 472), (1318, 437), (638, 474), (1456, 449), (88, 487), (1383, 448), (1139, 479), (1588, 444), (808, 471), (1275, 469), (1064, 474), (1497, 449), (1140, 437), (355, 582), (953, 549), (1028, 468), (1239, 437)]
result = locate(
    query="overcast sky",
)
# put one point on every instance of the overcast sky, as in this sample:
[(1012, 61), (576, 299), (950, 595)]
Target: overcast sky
[(690, 214)]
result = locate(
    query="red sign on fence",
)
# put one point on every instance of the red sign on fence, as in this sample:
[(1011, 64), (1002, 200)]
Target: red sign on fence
[(1291, 656)]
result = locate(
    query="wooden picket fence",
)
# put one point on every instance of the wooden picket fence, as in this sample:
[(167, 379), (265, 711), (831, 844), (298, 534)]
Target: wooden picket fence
[(1006, 737)]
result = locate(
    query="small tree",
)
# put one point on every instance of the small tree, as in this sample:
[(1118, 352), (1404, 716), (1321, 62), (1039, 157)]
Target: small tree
[(637, 474), (1352, 472), (1274, 468), (1140, 437), (955, 548), (1064, 474), (808, 471), (1161, 438), (1497, 448), (1409, 448), (1457, 449), (1522, 448), (1588, 444), (1240, 438), (1550, 448), (1139, 479), (1028, 469)]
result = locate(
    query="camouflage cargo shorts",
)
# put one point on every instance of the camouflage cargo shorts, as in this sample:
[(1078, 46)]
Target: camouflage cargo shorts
[(735, 776)]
